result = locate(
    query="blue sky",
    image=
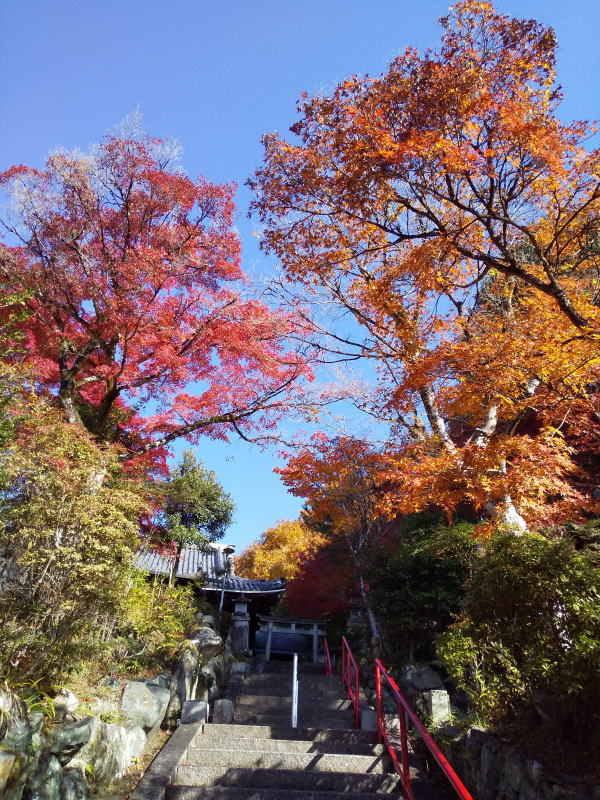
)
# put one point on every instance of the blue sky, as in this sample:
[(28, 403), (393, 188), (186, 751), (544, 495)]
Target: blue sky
[(216, 75)]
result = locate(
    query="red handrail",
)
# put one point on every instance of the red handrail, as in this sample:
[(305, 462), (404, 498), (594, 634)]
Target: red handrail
[(327, 658), (351, 681), (404, 711)]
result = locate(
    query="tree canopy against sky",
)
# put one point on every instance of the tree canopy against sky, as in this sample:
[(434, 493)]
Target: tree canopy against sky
[(195, 509), (130, 275), (446, 209), (83, 67)]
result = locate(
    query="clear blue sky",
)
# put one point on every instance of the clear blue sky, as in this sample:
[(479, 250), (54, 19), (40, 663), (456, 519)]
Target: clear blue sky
[(216, 75)]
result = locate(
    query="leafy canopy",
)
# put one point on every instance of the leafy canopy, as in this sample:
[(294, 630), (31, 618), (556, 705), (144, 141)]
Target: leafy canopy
[(196, 505), (446, 210), (130, 275), (279, 552)]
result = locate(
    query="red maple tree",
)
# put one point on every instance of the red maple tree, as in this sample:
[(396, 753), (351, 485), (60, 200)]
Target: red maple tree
[(129, 272)]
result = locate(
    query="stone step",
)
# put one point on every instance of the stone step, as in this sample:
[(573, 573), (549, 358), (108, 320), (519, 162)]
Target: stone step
[(320, 762), (249, 793), (282, 679), (268, 702), (308, 780), (214, 741), (285, 667), (340, 721), (285, 689), (286, 732)]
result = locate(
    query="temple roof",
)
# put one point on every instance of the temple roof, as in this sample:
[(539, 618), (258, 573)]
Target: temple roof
[(204, 564), (246, 585), (194, 563)]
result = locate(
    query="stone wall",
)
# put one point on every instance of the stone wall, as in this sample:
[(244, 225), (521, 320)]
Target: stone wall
[(67, 758), (492, 770)]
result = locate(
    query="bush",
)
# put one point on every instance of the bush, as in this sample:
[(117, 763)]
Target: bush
[(529, 634), (156, 619), (68, 533), (416, 582)]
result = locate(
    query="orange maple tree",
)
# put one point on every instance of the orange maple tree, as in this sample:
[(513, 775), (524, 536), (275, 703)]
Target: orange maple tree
[(278, 552), (446, 209)]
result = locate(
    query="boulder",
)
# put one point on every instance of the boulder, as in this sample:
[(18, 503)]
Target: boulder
[(68, 739), (65, 703), (420, 677), (45, 782), (74, 785), (105, 755), (160, 680), (145, 704), (11, 708), (136, 740), (17, 736), (6, 764), (26, 764)]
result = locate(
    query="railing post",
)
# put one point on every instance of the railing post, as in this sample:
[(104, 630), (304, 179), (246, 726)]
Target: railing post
[(327, 658), (404, 746), (378, 704), (269, 640), (295, 692), (356, 697)]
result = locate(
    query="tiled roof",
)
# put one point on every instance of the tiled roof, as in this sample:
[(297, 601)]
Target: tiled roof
[(198, 563), (246, 585), (194, 563)]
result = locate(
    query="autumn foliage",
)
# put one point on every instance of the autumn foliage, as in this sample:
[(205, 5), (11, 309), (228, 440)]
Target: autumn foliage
[(130, 275), (446, 209), (279, 551)]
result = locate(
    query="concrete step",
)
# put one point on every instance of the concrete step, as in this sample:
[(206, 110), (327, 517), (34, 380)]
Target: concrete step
[(224, 741), (352, 736), (321, 762), (244, 793), (280, 678), (285, 689), (266, 702), (340, 721), (331, 719), (308, 780), (285, 667)]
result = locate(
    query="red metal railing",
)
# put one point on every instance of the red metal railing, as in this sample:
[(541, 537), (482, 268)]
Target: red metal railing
[(404, 711), (327, 658), (351, 679)]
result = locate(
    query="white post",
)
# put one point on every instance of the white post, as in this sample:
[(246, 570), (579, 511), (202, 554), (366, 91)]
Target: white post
[(269, 639), (295, 692), (315, 643)]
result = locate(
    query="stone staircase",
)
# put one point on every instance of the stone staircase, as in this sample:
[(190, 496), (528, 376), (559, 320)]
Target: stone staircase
[(261, 757)]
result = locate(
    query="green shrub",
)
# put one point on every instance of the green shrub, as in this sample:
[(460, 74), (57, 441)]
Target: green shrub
[(156, 619), (68, 531), (529, 633), (416, 582)]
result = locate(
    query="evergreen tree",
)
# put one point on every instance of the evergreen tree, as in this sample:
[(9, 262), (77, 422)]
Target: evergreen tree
[(197, 509)]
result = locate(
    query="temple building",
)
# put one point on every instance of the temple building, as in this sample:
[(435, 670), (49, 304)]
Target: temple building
[(212, 567)]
